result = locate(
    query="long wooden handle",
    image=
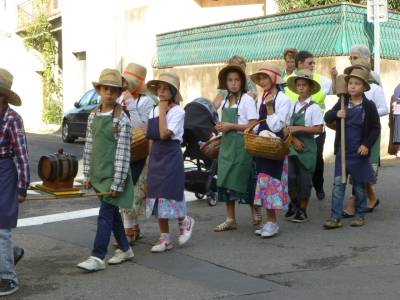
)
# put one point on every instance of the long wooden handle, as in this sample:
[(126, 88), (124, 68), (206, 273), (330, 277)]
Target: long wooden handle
[(79, 195), (343, 143)]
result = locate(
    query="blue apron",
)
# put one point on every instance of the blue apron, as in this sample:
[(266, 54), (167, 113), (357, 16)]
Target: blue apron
[(359, 167), (166, 178), (271, 167), (8, 194)]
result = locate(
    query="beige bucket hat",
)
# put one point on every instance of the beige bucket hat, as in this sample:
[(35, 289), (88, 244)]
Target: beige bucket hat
[(223, 74), (303, 74), (135, 75), (6, 81), (270, 69), (168, 78), (109, 77), (360, 73)]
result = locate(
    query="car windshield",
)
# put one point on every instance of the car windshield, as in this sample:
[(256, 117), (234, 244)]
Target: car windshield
[(86, 99)]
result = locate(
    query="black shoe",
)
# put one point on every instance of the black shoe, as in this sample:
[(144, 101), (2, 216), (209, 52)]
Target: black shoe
[(7, 287), (291, 212), (371, 209), (320, 195), (19, 257), (300, 217), (346, 215)]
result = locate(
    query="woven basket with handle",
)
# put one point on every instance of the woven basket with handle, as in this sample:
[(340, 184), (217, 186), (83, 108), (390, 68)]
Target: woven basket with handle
[(265, 147), (139, 145), (211, 147)]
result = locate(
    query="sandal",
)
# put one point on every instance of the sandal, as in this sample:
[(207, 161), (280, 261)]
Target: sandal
[(135, 233), (225, 226)]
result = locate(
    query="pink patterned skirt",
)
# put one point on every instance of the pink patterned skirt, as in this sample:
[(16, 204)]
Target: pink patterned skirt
[(272, 193)]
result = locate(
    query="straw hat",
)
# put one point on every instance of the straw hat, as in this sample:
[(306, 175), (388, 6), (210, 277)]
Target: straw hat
[(109, 77), (223, 74), (135, 75), (361, 63), (360, 73), (303, 74), (168, 78), (269, 69), (6, 81)]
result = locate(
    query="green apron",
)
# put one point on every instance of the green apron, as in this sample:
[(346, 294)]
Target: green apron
[(234, 163), (102, 163), (375, 151), (308, 157)]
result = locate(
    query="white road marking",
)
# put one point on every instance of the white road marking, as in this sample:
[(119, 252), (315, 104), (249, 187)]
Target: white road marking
[(78, 214), (85, 213)]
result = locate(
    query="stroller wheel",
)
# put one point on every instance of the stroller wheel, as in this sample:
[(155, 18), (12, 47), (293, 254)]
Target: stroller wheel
[(212, 200), (199, 195)]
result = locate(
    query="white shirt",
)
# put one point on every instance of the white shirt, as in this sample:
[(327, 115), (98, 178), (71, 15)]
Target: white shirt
[(326, 85), (247, 109), (138, 111), (377, 95), (277, 121), (313, 115), (175, 121)]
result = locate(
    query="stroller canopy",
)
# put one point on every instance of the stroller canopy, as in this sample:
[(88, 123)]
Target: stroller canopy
[(200, 119)]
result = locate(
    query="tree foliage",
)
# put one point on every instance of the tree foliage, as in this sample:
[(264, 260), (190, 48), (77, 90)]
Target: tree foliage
[(287, 5), (39, 37)]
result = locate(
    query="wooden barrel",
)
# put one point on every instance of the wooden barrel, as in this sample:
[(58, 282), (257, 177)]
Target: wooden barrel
[(58, 166), (139, 144)]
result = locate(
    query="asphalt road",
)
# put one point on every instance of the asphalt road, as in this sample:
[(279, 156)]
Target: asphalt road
[(302, 262)]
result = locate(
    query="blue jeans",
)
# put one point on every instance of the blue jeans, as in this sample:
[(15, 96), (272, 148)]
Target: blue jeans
[(338, 193), (8, 250), (109, 220)]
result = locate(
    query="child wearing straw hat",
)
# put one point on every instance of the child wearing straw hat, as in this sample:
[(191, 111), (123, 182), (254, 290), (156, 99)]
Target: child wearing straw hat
[(14, 181), (139, 106), (377, 95), (272, 182), (239, 112), (106, 159), (166, 181), (306, 121), (362, 129)]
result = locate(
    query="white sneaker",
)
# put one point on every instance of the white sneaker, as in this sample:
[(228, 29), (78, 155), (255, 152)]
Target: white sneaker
[(258, 231), (121, 256), (92, 264), (161, 246), (185, 232), (269, 230)]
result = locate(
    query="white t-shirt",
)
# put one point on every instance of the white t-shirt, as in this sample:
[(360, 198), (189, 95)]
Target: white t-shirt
[(277, 121), (377, 95), (247, 109), (175, 121), (313, 115), (326, 85)]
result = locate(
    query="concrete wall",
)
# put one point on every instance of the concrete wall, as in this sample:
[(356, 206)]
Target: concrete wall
[(202, 81), (122, 31)]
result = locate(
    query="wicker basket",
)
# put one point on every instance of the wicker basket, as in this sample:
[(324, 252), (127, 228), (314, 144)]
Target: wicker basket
[(265, 147), (139, 145), (211, 147)]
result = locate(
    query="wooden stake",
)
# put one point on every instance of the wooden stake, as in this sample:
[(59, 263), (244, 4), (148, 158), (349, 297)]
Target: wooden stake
[(343, 142), (52, 197)]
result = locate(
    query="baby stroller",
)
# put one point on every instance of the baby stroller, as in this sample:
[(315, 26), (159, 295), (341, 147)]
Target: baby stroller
[(200, 176)]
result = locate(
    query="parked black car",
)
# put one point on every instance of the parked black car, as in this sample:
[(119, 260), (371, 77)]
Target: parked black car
[(75, 120)]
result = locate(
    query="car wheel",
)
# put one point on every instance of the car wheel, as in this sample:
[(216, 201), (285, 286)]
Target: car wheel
[(65, 133)]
